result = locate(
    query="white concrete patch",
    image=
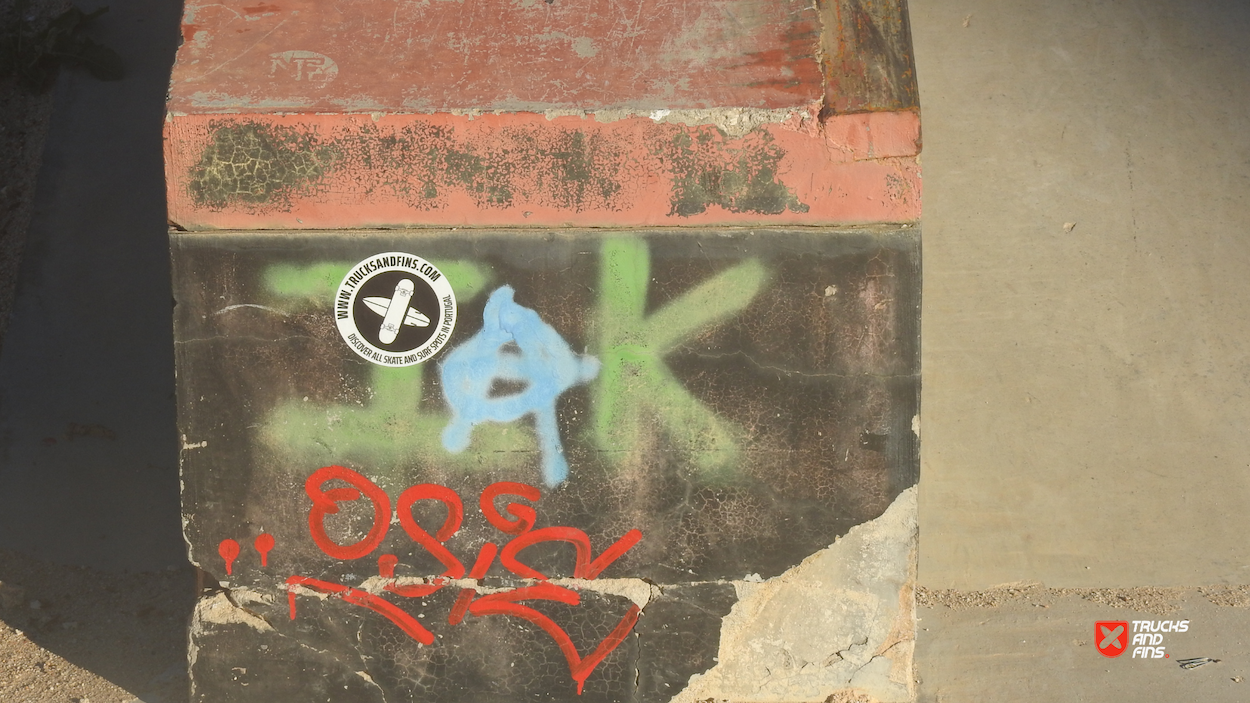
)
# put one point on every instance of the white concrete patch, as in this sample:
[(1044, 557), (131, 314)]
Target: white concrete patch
[(842, 620), (637, 590), (218, 610)]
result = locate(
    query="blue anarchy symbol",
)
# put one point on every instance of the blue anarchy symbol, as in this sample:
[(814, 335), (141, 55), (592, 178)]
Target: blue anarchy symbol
[(514, 345)]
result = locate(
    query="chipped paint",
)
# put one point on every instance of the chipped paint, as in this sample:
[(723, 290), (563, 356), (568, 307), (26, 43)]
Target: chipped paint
[(253, 162), (545, 113), (740, 177)]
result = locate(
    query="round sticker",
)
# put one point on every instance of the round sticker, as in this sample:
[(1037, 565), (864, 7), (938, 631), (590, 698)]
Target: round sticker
[(395, 309)]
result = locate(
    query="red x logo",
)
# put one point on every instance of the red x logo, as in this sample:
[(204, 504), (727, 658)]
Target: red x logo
[(1111, 636)]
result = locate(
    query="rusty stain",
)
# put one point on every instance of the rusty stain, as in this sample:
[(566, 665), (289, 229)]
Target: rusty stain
[(867, 57), (738, 175)]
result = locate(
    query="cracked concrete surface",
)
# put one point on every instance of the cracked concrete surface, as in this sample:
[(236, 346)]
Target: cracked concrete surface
[(843, 619)]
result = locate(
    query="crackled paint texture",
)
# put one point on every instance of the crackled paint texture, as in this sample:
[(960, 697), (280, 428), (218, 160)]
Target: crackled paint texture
[(253, 163), (298, 171), (751, 405)]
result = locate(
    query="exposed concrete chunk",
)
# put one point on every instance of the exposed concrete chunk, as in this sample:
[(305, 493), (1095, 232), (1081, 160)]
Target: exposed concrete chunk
[(217, 609), (637, 590), (842, 620)]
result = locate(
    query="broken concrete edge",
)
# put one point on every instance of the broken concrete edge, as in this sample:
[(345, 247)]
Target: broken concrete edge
[(841, 623), (526, 169), (732, 121)]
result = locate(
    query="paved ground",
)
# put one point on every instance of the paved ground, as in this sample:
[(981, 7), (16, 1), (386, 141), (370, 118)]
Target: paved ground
[(1038, 645), (1085, 391), (1084, 386)]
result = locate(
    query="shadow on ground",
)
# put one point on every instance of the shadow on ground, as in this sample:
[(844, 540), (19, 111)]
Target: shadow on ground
[(127, 628), (88, 448)]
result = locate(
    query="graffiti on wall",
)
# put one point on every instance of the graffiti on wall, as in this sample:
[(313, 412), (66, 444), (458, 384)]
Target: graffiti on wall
[(539, 360), (709, 393), (629, 382)]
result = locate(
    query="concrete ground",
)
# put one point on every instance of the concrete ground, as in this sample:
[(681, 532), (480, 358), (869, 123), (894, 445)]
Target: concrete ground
[(1084, 384), (1085, 387)]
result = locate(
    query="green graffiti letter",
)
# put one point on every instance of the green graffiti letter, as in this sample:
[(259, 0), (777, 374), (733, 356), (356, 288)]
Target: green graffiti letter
[(635, 386)]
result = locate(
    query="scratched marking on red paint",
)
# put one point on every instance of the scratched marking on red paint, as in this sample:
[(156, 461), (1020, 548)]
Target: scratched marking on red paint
[(515, 519), (229, 551), (264, 545)]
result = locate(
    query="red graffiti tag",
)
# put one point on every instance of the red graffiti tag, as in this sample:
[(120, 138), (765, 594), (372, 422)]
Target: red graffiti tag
[(480, 567), (229, 550), (517, 519), (505, 603), (264, 545), (327, 503), (585, 568), (455, 513)]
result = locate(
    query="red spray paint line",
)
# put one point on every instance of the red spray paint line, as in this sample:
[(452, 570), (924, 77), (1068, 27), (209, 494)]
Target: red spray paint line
[(264, 545), (484, 559), (229, 550), (580, 668), (403, 620)]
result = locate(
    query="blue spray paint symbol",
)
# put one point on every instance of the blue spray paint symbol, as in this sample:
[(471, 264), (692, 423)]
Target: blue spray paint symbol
[(545, 363)]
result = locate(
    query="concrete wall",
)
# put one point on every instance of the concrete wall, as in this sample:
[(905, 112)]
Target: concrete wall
[(706, 439), (590, 466)]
